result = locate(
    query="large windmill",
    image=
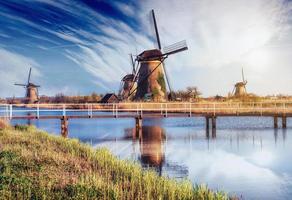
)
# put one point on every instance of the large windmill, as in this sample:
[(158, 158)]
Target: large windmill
[(150, 74), (239, 89), (31, 94)]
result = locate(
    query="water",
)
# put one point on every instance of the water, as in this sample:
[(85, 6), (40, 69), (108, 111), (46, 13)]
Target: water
[(246, 156)]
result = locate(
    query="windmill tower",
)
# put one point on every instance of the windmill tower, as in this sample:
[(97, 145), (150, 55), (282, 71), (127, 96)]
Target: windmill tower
[(31, 95), (150, 76), (239, 89)]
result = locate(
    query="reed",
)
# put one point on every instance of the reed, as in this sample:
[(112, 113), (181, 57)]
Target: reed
[(36, 165)]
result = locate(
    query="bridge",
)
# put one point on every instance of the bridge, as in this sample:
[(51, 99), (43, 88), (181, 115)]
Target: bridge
[(209, 110)]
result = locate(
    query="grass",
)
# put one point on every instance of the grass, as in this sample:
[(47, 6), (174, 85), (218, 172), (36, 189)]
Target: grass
[(36, 165)]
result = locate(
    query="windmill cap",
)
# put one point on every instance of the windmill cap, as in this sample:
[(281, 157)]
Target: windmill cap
[(32, 85), (153, 54), (128, 77), (240, 84)]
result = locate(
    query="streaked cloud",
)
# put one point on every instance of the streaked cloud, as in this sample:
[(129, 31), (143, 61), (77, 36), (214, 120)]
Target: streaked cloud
[(222, 36)]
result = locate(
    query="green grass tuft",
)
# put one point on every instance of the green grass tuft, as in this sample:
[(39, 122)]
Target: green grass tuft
[(36, 165)]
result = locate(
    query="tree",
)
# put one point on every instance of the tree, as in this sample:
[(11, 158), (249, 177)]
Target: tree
[(193, 92)]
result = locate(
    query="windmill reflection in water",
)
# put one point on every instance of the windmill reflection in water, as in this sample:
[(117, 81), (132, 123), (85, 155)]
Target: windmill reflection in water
[(151, 140)]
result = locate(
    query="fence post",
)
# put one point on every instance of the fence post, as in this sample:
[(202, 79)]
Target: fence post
[(10, 111), (275, 108), (7, 111), (284, 108), (116, 111), (137, 109), (64, 110), (161, 109), (190, 109), (214, 109), (166, 110), (91, 112), (38, 111), (141, 109)]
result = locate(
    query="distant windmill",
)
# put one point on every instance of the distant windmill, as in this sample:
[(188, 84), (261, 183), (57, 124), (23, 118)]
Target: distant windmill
[(31, 95), (150, 75), (128, 82), (239, 89)]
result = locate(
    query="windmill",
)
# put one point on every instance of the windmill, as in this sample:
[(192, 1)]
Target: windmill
[(239, 89), (151, 76), (31, 95), (128, 81)]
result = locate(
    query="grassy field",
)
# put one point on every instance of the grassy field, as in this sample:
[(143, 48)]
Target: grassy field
[(36, 165)]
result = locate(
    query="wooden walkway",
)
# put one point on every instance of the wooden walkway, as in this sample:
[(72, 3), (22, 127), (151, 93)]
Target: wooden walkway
[(210, 111)]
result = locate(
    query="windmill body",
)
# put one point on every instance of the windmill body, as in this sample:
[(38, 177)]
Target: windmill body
[(240, 87), (31, 94), (126, 85), (151, 79)]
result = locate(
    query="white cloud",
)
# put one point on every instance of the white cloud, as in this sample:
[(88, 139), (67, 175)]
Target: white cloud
[(14, 68)]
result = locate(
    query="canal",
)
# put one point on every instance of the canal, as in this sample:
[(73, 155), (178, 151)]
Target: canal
[(245, 156)]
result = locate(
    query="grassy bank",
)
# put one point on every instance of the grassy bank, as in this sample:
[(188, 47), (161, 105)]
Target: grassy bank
[(36, 165)]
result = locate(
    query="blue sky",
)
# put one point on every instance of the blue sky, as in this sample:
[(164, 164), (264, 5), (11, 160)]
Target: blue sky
[(79, 47)]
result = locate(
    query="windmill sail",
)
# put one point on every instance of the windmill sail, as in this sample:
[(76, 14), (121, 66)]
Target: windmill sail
[(156, 30), (243, 79), (133, 64), (28, 80), (19, 84), (242, 74), (175, 48)]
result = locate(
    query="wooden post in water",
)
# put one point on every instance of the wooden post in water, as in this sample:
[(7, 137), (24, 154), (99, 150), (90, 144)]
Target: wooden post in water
[(213, 132), (207, 124), (207, 134), (138, 123), (284, 121), (64, 126), (213, 122), (275, 121)]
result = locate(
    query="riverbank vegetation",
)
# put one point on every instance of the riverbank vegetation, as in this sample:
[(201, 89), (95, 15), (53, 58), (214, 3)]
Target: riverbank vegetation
[(36, 165)]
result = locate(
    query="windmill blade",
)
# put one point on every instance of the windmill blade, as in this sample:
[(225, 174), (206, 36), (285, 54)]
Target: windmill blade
[(167, 79), (242, 74), (233, 90), (19, 84), (37, 86), (28, 80), (175, 48), (133, 64), (156, 29)]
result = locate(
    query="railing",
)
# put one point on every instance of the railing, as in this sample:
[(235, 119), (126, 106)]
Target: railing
[(116, 109)]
